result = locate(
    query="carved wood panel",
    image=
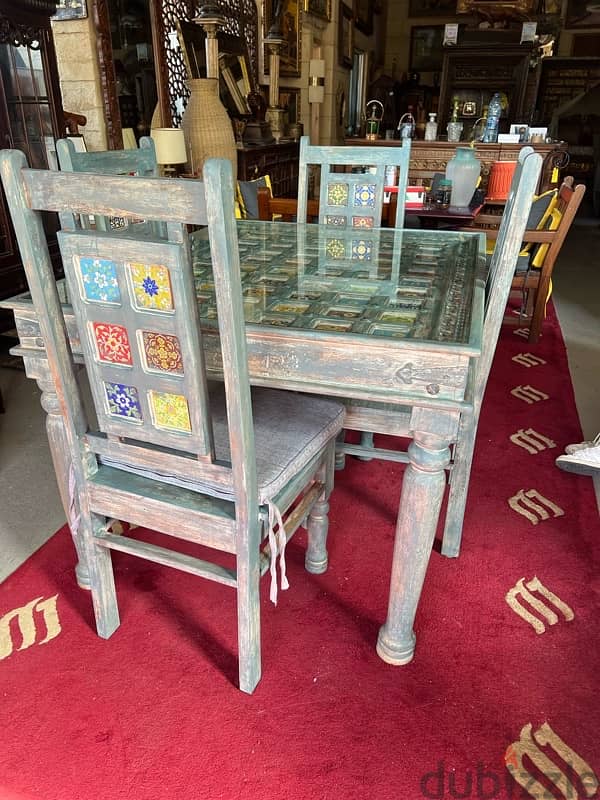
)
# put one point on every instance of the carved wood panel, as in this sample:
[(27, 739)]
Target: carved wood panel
[(108, 80)]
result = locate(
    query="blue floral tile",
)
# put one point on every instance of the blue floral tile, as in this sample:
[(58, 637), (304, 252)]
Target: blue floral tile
[(362, 249), (99, 280), (123, 401), (364, 195)]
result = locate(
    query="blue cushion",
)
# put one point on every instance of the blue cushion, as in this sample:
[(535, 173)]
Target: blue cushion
[(248, 191), (538, 209)]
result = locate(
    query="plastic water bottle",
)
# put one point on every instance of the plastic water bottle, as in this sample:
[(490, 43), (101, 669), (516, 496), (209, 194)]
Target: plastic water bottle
[(493, 118)]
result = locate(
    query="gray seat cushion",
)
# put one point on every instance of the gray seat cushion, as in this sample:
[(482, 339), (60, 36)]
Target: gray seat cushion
[(289, 431)]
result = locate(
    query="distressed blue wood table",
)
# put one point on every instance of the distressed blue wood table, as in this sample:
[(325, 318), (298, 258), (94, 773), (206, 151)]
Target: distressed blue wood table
[(370, 315)]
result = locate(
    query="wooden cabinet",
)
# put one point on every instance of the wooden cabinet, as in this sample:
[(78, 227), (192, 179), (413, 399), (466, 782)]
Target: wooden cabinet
[(30, 115), (427, 158), (561, 80), (473, 72), (568, 102), (279, 161)]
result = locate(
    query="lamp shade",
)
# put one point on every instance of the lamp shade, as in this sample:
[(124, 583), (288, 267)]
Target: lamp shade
[(170, 145)]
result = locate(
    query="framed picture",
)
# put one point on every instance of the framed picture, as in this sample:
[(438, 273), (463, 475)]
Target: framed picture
[(320, 8), (363, 15), (431, 8), (345, 36), (426, 48), (71, 9), (515, 9), (289, 10), (289, 99), (582, 14), (520, 129)]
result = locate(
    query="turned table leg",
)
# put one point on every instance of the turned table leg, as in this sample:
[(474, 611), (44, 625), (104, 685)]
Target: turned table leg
[(422, 492)]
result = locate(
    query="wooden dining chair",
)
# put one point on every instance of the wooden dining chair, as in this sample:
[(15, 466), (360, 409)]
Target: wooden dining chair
[(214, 464), (533, 279), (140, 161), (396, 421), (349, 199)]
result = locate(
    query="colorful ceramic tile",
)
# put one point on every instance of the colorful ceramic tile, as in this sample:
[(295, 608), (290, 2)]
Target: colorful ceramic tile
[(117, 223), (123, 401), (337, 194), (364, 194), (99, 276), (363, 222), (112, 343), (362, 249), (163, 352), (170, 411), (339, 220), (151, 286), (335, 248)]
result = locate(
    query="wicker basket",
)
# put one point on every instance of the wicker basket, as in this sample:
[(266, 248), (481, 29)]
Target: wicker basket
[(207, 127)]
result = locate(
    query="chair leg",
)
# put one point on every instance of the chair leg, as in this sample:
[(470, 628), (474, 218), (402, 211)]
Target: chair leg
[(248, 609), (459, 486), (367, 441), (340, 456), (316, 558), (541, 299), (101, 576)]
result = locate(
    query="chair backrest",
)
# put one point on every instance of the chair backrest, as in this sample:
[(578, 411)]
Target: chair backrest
[(504, 259), (352, 199), (558, 222), (136, 313), (141, 162), (285, 209)]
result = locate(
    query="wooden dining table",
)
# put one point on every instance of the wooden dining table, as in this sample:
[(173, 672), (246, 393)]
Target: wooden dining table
[(376, 315)]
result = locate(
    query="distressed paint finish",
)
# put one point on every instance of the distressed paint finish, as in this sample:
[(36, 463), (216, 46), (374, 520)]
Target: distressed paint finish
[(93, 488), (352, 200), (298, 358), (499, 281), (397, 371), (423, 483)]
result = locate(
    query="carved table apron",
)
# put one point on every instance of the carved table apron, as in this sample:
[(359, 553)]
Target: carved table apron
[(376, 315)]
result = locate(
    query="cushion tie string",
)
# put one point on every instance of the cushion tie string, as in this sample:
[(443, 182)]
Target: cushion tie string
[(277, 545)]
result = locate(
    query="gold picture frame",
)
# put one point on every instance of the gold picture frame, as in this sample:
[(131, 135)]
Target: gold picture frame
[(290, 53), (318, 8), (497, 9), (345, 36)]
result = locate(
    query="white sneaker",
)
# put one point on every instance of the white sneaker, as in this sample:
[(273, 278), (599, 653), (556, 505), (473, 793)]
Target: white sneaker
[(583, 462), (575, 448)]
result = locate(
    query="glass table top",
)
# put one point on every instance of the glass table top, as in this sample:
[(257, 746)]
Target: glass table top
[(399, 284)]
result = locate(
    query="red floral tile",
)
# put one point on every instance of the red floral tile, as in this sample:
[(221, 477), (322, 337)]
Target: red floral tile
[(112, 343)]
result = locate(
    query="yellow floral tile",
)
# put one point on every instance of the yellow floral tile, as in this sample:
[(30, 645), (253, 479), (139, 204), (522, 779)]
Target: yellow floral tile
[(170, 411)]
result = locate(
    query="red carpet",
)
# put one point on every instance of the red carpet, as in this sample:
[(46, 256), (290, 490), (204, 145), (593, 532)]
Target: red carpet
[(154, 714)]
